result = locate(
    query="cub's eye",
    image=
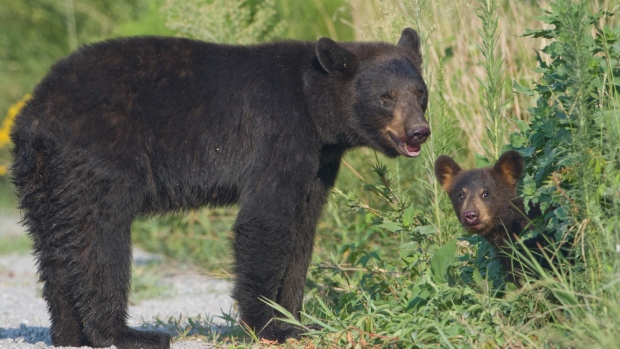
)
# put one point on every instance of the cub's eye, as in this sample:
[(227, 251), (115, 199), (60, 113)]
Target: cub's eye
[(461, 197), (485, 194)]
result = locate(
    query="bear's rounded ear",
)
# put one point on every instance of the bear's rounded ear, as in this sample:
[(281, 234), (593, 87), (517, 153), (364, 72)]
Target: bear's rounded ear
[(410, 39), (335, 59), (510, 167), (445, 171)]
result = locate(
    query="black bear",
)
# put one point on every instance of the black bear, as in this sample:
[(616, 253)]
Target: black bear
[(148, 125), (486, 203)]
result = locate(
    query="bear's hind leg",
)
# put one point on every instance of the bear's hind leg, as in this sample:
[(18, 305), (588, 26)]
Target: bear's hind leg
[(66, 327), (86, 284), (78, 211), (83, 245), (50, 224), (103, 272)]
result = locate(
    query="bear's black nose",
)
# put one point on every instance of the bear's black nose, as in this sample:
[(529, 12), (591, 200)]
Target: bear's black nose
[(419, 135), (471, 217)]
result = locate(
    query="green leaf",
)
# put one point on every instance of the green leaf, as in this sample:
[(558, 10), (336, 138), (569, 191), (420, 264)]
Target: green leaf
[(390, 225), (511, 287), (375, 255), (482, 161), (523, 126), (364, 260), (408, 249), (348, 247), (441, 260), (522, 89), (517, 140), (408, 216), (477, 277), (426, 230), (562, 212), (527, 152)]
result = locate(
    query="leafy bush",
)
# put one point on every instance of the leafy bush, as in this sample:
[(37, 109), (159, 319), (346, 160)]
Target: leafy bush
[(572, 154), (225, 21)]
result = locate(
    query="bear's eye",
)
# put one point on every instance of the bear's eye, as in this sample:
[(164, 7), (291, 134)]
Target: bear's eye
[(461, 196), (485, 194), (387, 97)]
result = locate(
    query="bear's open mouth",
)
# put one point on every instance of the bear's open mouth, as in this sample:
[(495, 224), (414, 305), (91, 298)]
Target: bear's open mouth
[(406, 149)]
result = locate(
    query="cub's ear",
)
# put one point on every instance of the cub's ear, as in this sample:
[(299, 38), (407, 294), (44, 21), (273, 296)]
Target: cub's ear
[(446, 170), (335, 59), (510, 167), (410, 39)]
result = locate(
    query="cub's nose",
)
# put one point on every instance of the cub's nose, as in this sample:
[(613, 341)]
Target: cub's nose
[(419, 135), (471, 217)]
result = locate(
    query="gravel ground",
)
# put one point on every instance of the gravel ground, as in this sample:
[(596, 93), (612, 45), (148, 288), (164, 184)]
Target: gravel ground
[(24, 321)]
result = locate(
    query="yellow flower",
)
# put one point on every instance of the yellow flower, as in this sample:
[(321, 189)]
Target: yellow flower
[(8, 121), (5, 130)]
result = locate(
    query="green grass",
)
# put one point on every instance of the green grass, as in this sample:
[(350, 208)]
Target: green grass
[(8, 199), (15, 244), (146, 282), (200, 237)]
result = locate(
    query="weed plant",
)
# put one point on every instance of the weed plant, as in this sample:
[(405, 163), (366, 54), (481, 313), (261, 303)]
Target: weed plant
[(492, 86)]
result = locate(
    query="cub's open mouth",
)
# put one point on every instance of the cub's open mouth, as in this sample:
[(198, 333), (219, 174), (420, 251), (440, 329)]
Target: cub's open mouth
[(477, 228), (474, 228), (406, 149)]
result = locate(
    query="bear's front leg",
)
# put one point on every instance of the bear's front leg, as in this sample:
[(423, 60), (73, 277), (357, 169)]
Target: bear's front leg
[(274, 236), (291, 292), (263, 248)]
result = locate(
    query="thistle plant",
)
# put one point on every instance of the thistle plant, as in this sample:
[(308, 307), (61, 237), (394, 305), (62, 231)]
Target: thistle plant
[(493, 84)]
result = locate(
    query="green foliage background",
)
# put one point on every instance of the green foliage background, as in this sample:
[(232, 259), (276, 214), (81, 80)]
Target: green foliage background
[(391, 267)]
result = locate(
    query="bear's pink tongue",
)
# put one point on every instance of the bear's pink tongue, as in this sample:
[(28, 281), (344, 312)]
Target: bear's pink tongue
[(410, 150), (405, 148)]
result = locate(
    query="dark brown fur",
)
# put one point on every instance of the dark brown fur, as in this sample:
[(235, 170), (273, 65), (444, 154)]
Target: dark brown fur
[(148, 125), (486, 203)]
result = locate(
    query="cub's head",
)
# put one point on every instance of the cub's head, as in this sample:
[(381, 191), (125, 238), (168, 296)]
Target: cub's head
[(481, 197), (388, 96)]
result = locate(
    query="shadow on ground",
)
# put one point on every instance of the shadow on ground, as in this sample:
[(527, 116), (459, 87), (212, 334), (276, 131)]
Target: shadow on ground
[(38, 334)]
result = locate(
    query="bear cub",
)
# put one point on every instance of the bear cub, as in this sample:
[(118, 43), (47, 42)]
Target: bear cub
[(486, 203)]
